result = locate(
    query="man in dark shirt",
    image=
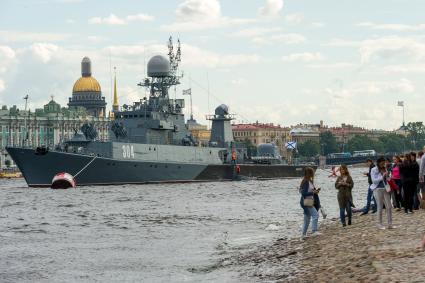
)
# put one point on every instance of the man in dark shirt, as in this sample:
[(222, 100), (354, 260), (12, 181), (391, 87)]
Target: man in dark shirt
[(369, 191)]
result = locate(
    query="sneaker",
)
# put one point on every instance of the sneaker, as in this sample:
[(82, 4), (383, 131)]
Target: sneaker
[(324, 214), (314, 234), (364, 213), (380, 227), (392, 226)]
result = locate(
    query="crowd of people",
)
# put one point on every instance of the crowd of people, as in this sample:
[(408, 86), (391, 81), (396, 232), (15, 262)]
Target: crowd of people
[(393, 184)]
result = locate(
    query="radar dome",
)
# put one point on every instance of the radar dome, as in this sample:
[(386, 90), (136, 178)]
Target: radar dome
[(158, 66), (222, 110)]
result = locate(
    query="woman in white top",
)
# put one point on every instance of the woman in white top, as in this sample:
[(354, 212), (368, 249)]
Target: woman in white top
[(379, 187)]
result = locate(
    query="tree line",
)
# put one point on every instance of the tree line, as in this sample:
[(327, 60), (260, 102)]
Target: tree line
[(388, 143)]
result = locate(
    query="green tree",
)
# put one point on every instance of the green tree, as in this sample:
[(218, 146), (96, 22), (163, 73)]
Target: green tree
[(360, 142), (394, 143), (416, 134), (309, 148), (328, 142)]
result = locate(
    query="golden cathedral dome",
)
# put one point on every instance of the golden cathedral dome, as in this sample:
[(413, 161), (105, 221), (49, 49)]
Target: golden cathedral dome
[(86, 84)]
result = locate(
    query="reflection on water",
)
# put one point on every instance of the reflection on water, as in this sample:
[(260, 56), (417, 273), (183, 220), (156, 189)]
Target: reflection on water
[(154, 233)]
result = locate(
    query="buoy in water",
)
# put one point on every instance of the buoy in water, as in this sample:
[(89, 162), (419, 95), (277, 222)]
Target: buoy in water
[(63, 181)]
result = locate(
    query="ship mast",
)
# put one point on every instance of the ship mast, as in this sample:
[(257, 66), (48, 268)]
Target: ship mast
[(159, 85)]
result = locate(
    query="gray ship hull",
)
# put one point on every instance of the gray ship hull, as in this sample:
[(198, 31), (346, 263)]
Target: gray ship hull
[(39, 169)]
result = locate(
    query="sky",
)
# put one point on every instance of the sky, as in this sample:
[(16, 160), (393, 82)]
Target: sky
[(273, 61)]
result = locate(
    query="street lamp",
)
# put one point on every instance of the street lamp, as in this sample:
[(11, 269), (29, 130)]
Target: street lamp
[(403, 127), (401, 104)]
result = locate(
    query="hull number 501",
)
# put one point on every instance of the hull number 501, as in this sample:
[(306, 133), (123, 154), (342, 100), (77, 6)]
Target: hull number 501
[(127, 151)]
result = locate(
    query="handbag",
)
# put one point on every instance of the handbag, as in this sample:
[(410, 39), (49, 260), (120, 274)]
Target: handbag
[(393, 185), (308, 202)]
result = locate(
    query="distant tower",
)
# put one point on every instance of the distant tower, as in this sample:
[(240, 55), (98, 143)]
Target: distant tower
[(221, 129), (115, 105), (87, 92)]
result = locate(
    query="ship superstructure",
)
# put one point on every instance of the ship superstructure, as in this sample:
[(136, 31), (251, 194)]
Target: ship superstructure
[(149, 142)]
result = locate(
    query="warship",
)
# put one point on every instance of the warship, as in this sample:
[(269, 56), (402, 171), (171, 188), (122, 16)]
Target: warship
[(149, 142)]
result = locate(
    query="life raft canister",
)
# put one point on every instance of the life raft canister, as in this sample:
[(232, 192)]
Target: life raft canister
[(63, 180)]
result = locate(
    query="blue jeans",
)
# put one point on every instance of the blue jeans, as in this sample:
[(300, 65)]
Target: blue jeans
[(369, 199), (310, 213), (342, 212)]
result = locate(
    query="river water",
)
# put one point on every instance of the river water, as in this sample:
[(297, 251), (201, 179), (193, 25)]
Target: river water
[(147, 233)]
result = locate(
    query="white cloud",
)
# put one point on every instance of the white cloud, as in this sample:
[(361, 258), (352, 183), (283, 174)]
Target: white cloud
[(303, 57), (294, 18), (371, 103), (140, 17), (112, 19), (20, 36), (404, 68), (388, 54), (96, 38), (198, 57), (338, 42), (199, 11), (201, 14), (6, 53), (43, 51), (2, 85), (392, 48), (317, 24), (271, 9), (70, 21), (392, 27), (192, 55), (288, 38), (256, 31), (333, 66), (238, 81)]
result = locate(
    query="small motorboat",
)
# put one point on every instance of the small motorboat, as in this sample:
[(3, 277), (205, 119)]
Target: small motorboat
[(9, 173)]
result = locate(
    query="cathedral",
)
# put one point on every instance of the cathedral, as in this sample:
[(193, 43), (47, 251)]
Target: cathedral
[(87, 93)]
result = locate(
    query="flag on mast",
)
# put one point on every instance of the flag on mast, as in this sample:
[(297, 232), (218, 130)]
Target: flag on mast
[(187, 91), (400, 103)]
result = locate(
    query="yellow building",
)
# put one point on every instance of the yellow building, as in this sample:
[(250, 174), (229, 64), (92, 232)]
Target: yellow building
[(258, 133), (199, 132)]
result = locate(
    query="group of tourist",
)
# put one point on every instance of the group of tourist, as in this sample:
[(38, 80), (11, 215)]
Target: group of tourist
[(395, 184)]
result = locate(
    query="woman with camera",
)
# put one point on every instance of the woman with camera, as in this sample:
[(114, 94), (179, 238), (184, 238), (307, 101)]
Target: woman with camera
[(344, 184), (308, 191)]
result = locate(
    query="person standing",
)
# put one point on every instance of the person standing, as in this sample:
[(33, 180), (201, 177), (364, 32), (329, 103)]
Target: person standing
[(370, 196), (409, 172), (308, 191), (421, 177), (395, 176), (415, 174), (422, 167), (344, 184), (379, 177)]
